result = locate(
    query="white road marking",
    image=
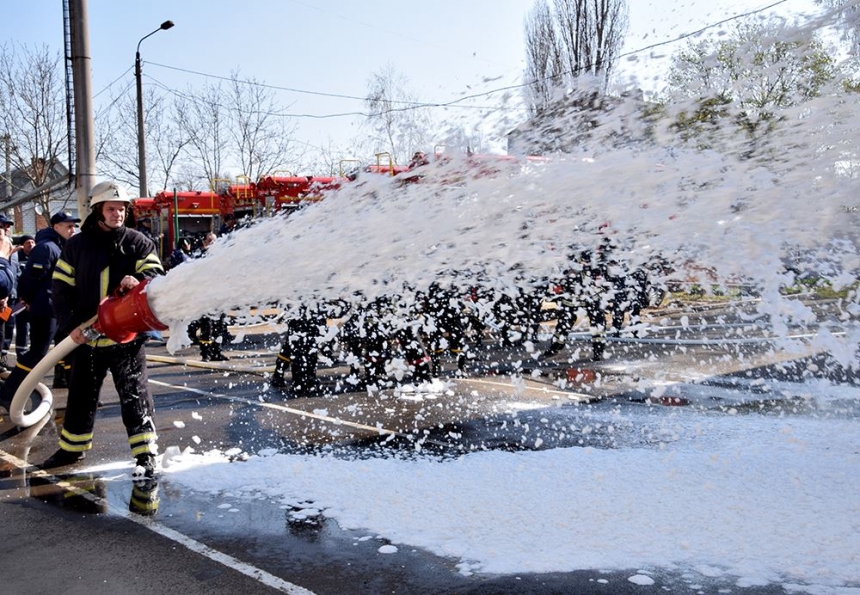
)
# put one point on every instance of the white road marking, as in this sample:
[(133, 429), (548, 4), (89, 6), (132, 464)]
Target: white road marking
[(270, 580), (334, 420), (299, 412)]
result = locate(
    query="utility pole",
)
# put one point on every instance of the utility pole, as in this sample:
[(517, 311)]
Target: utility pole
[(82, 78)]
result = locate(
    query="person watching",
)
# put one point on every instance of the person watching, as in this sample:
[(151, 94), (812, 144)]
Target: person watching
[(34, 290)]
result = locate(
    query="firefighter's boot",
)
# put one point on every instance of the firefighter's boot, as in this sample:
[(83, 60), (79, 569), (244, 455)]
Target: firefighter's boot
[(144, 497), (461, 364), (281, 364), (598, 347)]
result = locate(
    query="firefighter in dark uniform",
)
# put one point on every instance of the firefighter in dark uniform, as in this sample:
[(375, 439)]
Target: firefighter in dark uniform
[(106, 257), (633, 295), (210, 334), (406, 334), (567, 297), (377, 337), (599, 291), (584, 286), (445, 328), (521, 311), (353, 332), (300, 352)]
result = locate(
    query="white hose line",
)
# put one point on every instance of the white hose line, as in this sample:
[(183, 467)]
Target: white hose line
[(31, 382), (43, 391)]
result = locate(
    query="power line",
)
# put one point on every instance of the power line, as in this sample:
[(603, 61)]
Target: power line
[(703, 29), (408, 105), (113, 82), (454, 103), (302, 115), (258, 84)]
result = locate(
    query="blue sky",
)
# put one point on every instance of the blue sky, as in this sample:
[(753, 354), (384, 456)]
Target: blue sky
[(446, 48)]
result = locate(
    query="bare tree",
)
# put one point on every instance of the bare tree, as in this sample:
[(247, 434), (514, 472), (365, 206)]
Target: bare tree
[(116, 143), (464, 139), (399, 124), (544, 64), (262, 134), (32, 113), (576, 38), (204, 121), (328, 158)]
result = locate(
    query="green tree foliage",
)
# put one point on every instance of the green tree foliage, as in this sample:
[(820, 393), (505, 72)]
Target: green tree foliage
[(750, 75)]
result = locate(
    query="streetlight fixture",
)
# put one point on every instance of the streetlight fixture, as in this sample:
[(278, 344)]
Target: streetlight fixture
[(141, 145)]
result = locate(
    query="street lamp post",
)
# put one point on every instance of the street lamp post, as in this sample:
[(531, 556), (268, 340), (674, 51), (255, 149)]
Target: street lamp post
[(141, 144)]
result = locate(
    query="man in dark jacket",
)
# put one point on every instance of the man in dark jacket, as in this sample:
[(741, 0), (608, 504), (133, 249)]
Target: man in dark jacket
[(7, 326), (181, 254), (105, 258), (34, 289), (22, 318)]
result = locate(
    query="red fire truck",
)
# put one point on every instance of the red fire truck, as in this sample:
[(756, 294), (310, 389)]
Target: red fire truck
[(193, 214)]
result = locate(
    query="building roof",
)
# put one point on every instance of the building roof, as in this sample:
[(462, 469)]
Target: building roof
[(22, 189)]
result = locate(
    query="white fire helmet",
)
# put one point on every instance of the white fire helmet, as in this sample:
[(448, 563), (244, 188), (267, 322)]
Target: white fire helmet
[(108, 191)]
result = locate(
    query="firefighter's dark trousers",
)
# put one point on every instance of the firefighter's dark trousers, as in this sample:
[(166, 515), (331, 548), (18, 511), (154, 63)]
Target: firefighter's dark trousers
[(127, 365)]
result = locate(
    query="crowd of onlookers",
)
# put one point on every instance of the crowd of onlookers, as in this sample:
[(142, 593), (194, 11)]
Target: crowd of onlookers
[(405, 336)]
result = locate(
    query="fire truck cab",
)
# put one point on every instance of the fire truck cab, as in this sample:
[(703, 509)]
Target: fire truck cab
[(173, 215)]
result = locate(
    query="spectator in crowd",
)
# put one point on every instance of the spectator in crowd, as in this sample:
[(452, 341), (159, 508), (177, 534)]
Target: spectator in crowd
[(228, 226), (181, 254), (34, 290), (7, 325), (144, 226), (22, 318), (7, 273)]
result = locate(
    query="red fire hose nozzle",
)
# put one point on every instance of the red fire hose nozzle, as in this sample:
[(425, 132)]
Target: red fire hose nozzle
[(121, 317)]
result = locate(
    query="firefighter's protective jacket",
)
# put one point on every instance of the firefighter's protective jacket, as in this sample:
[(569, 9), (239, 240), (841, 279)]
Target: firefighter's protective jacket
[(91, 266)]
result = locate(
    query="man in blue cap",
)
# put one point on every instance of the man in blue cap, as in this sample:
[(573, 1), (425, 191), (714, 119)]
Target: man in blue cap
[(35, 291)]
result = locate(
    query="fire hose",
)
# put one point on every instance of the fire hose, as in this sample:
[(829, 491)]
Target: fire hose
[(33, 381), (120, 317)]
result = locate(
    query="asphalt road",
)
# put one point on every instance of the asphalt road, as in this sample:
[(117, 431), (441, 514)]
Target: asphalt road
[(93, 531)]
